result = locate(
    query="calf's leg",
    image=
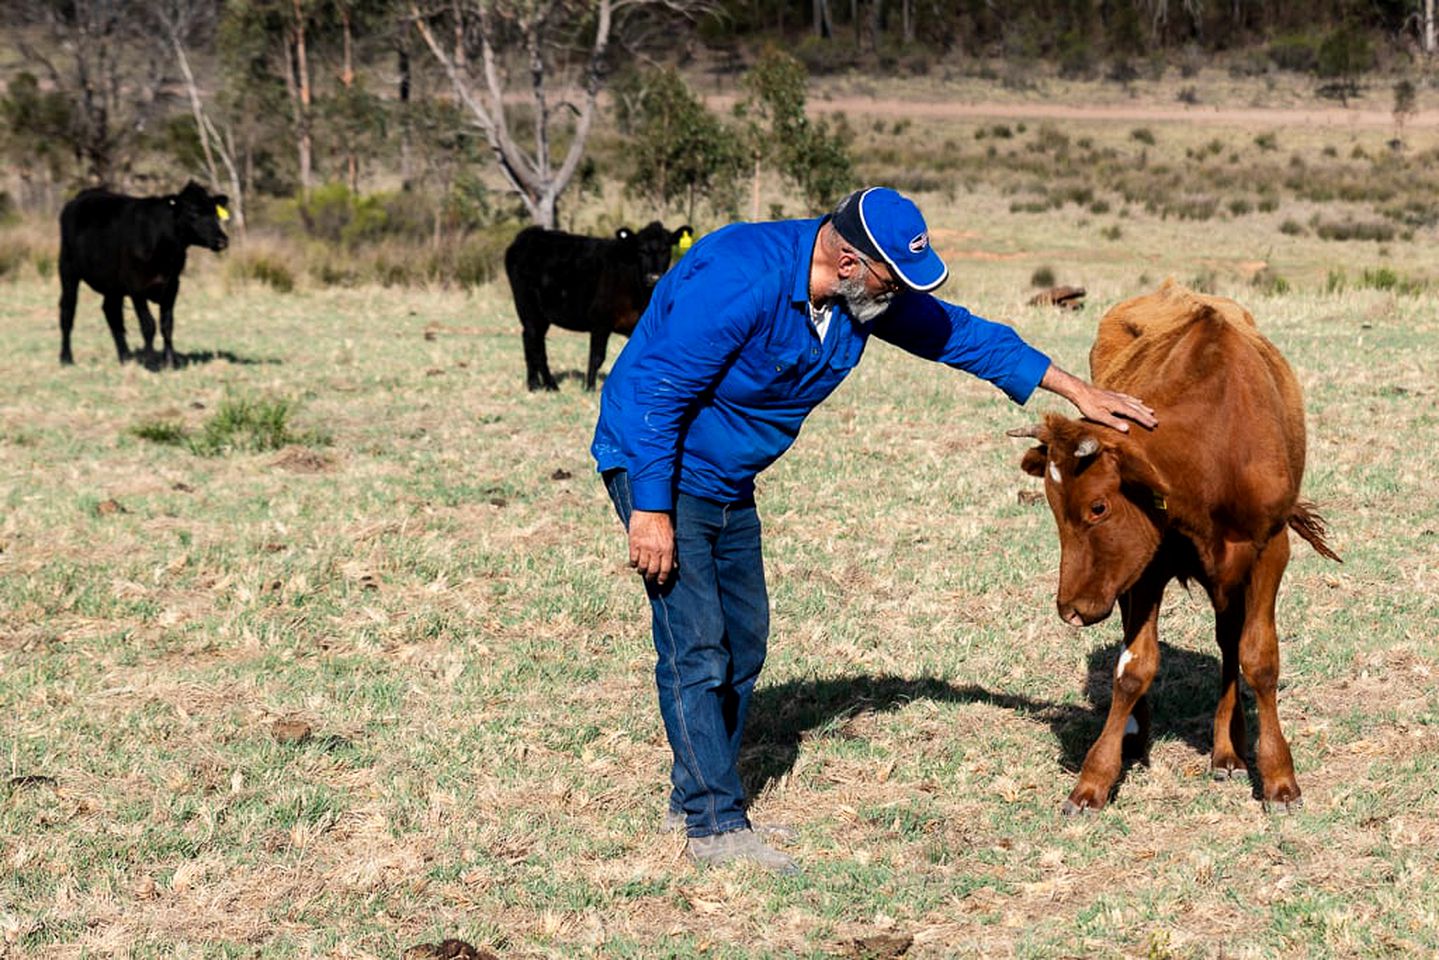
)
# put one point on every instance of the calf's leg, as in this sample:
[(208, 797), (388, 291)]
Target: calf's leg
[(1229, 734), (147, 321), (167, 322), (599, 340), (1259, 659), (69, 292), (1132, 676), (537, 362), (114, 308)]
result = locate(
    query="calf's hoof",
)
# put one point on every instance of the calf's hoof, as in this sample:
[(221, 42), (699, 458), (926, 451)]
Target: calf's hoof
[(1276, 807), (1228, 770), (1081, 804), (66, 360)]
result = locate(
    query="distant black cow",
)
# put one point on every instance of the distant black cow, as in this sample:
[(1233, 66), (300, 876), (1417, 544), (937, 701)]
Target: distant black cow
[(133, 247), (586, 284)]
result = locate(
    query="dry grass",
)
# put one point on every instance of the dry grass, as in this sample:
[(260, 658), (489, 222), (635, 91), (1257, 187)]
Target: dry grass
[(450, 615)]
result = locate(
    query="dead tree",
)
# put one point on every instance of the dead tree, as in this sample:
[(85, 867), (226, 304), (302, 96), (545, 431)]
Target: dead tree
[(533, 38)]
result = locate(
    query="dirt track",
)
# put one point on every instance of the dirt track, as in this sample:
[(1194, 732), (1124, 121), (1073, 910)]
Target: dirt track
[(1256, 117)]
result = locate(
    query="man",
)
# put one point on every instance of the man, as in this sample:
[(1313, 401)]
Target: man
[(755, 326)]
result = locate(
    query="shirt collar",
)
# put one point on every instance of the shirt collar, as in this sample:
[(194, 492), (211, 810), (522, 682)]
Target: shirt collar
[(804, 259)]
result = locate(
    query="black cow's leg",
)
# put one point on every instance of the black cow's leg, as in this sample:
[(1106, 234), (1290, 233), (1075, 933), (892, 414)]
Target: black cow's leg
[(599, 340), (537, 363), (115, 316), (69, 293), (147, 322), (167, 321)]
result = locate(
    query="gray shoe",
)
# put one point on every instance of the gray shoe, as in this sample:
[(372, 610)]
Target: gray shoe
[(675, 822), (738, 845)]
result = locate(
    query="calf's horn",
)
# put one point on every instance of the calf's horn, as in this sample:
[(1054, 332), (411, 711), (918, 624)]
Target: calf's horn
[(1034, 431)]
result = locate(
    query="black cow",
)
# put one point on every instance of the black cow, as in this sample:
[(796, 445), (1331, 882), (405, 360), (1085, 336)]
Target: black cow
[(133, 247), (586, 284)]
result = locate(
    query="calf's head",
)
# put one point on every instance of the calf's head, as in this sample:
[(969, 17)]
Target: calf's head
[(652, 247), (1109, 505), (198, 215)]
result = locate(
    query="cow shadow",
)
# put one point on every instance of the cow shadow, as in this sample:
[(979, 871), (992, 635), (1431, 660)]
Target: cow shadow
[(154, 360), (786, 714), (563, 376)]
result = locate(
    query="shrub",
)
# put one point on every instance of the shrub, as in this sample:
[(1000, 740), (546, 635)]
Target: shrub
[(262, 267), (1296, 52), (1112, 232), (1353, 230), (1267, 141), (1143, 135), (1270, 282), (166, 432), (241, 424), (1239, 207), (1188, 95), (1335, 282), (12, 255), (1042, 277), (1292, 228)]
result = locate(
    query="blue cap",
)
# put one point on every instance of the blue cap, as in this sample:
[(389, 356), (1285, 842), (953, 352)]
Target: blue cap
[(883, 225)]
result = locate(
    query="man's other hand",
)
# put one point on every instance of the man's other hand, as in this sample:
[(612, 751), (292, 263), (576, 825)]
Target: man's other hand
[(652, 544)]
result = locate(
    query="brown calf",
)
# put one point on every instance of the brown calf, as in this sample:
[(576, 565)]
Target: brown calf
[(1208, 496)]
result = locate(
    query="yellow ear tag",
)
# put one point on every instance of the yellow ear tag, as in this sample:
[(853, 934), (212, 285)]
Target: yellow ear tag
[(687, 240), (221, 212)]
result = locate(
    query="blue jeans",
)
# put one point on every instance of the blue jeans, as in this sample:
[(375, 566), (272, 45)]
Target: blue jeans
[(711, 625)]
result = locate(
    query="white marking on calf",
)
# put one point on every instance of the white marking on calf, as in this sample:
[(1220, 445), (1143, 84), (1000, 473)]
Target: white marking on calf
[(1124, 659), (1054, 472)]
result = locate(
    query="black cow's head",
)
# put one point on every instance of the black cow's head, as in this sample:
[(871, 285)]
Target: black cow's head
[(198, 214), (1108, 502), (652, 246)]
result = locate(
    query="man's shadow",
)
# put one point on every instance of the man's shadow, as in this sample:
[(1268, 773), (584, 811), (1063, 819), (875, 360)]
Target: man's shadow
[(1182, 700), (154, 360)]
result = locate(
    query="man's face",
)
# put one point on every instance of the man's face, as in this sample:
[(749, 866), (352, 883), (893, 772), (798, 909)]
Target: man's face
[(868, 291)]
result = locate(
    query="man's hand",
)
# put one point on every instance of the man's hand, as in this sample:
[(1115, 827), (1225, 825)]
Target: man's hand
[(1097, 404), (652, 544)]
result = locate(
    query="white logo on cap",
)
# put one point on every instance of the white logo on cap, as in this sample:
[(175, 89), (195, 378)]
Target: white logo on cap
[(919, 243)]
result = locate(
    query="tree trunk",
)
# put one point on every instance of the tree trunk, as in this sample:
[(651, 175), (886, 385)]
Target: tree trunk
[(347, 78), (195, 108), (407, 170), (907, 15), (754, 190), (304, 94), (1429, 27)]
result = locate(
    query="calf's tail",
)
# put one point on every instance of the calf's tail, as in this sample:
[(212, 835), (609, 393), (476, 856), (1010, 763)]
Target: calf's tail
[(1310, 525)]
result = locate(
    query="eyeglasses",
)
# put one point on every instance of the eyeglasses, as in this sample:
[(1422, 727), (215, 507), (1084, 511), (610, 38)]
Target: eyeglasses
[(888, 285)]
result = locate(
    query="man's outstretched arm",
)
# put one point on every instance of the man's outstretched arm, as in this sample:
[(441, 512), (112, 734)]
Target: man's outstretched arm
[(1097, 404)]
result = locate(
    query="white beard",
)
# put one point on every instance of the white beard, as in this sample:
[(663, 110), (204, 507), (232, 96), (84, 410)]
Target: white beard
[(861, 304)]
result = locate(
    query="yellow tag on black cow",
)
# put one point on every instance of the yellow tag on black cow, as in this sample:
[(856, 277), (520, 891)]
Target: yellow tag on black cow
[(687, 240), (221, 212)]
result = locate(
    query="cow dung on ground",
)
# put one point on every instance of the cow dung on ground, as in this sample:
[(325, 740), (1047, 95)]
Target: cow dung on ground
[(299, 459), (446, 950)]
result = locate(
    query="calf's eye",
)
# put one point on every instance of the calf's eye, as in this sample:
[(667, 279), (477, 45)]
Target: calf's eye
[(1098, 508)]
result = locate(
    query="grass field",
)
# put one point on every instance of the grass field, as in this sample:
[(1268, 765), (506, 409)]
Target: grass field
[(392, 682)]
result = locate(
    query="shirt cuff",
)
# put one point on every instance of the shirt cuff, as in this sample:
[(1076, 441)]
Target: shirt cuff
[(652, 495), (1022, 381)]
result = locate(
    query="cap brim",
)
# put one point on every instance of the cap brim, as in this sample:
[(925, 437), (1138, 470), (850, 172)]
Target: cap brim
[(923, 274)]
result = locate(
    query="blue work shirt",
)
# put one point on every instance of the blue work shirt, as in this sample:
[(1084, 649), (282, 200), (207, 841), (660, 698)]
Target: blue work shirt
[(725, 364)]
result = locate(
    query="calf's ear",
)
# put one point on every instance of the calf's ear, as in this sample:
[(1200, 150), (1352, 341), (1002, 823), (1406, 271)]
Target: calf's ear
[(1136, 470), (1034, 460), (220, 200)]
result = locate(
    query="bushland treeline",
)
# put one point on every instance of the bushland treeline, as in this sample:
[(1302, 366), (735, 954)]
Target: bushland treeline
[(349, 122)]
